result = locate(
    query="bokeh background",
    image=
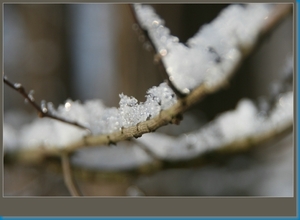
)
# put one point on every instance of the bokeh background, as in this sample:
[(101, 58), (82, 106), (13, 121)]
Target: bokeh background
[(90, 51)]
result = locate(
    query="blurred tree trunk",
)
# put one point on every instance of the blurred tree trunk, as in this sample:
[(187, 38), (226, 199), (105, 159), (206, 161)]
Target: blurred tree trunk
[(136, 68), (42, 63)]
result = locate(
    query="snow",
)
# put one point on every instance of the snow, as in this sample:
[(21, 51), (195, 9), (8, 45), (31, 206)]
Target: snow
[(94, 115), (240, 124), (48, 133), (213, 52)]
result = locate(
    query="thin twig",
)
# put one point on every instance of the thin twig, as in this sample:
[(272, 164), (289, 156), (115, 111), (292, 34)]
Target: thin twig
[(157, 57), (280, 11), (41, 113), (69, 181)]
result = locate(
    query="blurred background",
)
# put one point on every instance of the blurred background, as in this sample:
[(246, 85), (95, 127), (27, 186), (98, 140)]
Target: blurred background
[(90, 51)]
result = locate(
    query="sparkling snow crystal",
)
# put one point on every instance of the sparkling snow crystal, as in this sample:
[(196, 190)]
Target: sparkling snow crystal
[(95, 116), (213, 52)]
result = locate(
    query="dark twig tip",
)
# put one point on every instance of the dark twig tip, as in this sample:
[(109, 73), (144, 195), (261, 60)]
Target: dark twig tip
[(42, 112)]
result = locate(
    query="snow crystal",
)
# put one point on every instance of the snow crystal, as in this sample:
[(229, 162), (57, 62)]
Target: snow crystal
[(130, 112), (213, 52)]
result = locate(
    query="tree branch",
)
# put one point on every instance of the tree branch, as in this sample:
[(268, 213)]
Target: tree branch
[(280, 11), (67, 172), (170, 115), (233, 131), (42, 112), (143, 34)]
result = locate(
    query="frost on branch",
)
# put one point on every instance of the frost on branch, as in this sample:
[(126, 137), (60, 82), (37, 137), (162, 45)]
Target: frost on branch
[(213, 52)]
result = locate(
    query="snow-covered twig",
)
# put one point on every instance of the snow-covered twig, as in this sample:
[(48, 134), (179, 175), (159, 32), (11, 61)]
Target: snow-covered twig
[(150, 45), (214, 53), (42, 110), (238, 129), (133, 119), (243, 127)]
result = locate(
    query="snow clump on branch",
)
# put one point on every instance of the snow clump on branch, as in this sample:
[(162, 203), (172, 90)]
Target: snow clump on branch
[(213, 52), (96, 116)]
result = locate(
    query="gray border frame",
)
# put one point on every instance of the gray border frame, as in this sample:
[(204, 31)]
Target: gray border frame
[(150, 206)]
